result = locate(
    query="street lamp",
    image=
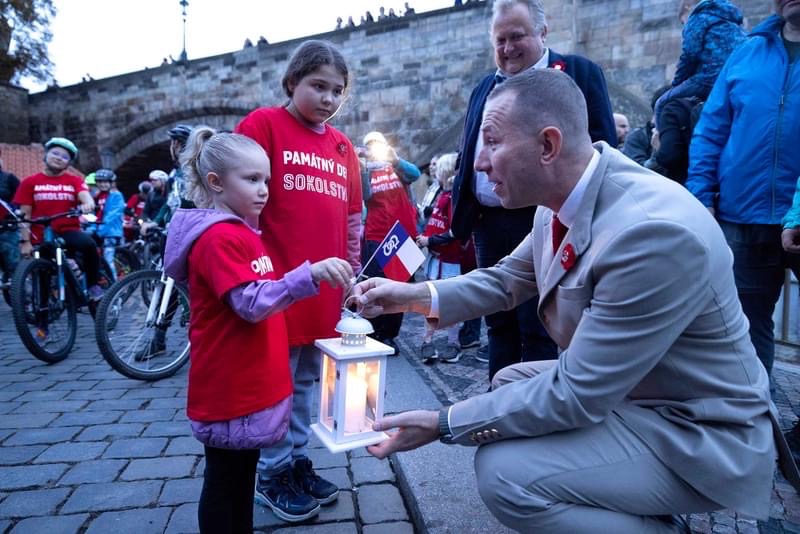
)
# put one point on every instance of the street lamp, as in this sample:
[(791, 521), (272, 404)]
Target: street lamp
[(184, 4), (352, 381)]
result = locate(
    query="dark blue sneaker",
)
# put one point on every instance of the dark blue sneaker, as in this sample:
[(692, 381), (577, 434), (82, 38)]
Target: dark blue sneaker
[(311, 483), (284, 496)]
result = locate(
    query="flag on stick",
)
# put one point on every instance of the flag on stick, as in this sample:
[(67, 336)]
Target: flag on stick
[(398, 254)]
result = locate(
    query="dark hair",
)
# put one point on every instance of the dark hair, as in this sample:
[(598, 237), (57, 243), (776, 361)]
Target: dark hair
[(660, 91), (310, 56)]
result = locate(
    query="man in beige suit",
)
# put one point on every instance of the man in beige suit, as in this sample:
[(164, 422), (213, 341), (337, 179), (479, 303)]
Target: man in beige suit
[(657, 404)]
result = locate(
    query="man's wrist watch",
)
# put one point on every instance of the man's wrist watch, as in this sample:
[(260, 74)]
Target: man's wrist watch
[(445, 434)]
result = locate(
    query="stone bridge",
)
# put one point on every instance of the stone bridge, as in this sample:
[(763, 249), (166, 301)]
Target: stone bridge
[(411, 78)]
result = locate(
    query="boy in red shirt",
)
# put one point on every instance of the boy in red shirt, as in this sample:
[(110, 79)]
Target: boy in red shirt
[(54, 191)]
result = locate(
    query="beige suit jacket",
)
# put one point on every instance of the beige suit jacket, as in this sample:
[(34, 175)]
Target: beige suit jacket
[(651, 329)]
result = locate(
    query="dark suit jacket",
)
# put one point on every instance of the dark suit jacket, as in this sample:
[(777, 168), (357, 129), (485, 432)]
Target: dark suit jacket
[(587, 75)]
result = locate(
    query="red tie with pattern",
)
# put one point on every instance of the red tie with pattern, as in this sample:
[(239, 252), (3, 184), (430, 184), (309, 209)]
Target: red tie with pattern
[(559, 231)]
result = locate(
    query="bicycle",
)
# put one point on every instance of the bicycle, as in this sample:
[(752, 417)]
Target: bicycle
[(147, 249), (47, 291), (144, 306)]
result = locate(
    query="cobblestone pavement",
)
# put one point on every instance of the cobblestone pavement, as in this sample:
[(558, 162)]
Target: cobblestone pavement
[(468, 377), (83, 449)]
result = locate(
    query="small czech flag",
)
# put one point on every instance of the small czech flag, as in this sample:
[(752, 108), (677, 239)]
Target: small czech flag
[(398, 255)]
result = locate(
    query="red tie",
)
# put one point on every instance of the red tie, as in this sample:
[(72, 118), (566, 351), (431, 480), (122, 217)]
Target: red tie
[(559, 231)]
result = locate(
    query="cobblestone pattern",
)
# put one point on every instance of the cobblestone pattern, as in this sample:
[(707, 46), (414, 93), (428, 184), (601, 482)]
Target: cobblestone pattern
[(468, 377), (83, 449)]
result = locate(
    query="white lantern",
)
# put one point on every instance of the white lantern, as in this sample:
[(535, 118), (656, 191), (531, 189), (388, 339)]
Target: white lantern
[(352, 381)]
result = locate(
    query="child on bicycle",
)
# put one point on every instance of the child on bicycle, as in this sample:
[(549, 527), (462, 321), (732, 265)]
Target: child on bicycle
[(240, 387), (314, 212), (55, 191), (110, 210)]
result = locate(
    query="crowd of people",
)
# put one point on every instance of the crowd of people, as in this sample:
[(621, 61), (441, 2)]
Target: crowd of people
[(629, 351), (116, 221)]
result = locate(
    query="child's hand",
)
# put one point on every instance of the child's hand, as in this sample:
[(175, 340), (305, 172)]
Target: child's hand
[(422, 241), (335, 271)]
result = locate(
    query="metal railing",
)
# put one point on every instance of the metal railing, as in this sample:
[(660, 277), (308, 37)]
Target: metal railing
[(787, 312)]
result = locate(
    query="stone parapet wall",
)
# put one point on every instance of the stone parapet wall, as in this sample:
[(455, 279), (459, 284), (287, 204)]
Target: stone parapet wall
[(411, 77)]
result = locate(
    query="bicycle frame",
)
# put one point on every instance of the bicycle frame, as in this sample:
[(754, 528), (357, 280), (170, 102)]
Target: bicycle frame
[(160, 302)]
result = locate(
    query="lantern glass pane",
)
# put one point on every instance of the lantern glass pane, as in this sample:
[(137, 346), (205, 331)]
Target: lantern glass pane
[(361, 399), (327, 400)]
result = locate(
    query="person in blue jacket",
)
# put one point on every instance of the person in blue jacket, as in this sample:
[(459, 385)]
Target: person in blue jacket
[(110, 210), (711, 32), (744, 162), (518, 33)]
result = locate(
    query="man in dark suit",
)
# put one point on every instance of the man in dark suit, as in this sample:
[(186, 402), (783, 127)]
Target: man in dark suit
[(518, 33)]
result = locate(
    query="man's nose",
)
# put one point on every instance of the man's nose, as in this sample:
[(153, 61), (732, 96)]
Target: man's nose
[(482, 162)]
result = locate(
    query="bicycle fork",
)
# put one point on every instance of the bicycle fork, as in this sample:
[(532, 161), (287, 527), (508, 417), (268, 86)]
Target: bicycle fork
[(159, 303)]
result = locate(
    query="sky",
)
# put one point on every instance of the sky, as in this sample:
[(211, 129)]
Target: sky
[(104, 38)]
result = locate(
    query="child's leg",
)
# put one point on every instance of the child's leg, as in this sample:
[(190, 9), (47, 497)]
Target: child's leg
[(687, 89), (226, 501), (215, 510), (109, 246), (244, 491), (452, 335)]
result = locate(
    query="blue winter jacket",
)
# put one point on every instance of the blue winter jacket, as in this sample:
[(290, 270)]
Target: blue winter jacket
[(112, 216), (745, 146), (712, 31)]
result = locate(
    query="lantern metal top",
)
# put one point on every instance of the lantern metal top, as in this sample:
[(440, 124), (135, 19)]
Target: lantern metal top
[(353, 323)]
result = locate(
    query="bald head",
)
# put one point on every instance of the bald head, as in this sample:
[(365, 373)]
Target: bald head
[(548, 98)]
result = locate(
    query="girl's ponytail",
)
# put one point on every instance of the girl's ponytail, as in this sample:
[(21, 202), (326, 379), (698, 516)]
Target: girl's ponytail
[(193, 170)]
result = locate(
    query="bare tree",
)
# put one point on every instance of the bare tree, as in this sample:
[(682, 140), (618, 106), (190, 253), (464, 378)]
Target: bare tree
[(24, 36)]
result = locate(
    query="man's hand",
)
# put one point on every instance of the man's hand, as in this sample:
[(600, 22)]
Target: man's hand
[(790, 239), (87, 207), (378, 296), (414, 429), (422, 241)]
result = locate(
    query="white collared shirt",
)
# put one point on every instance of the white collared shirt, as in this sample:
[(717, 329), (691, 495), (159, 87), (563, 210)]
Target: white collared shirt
[(483, 187), (569, 210)]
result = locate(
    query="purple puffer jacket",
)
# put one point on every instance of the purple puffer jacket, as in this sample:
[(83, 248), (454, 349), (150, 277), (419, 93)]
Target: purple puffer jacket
[(255, 431)]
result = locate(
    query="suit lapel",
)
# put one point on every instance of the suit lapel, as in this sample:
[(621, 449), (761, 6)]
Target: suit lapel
[(579, 235)]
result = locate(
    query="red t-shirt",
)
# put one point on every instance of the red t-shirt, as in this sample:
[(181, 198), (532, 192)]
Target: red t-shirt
[(439, 223), (48, 195), (389, 203), (315, 185), (136, 203), (237, 367), (100, 204)]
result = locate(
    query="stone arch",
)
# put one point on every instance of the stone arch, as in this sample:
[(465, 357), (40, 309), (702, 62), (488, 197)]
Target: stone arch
[(144, 145)]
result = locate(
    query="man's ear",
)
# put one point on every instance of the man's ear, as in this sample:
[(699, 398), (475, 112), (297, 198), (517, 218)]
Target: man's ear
[(214, 182), (551, 140)]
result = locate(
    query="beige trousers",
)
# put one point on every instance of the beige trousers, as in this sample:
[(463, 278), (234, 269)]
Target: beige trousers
[(600, 478)]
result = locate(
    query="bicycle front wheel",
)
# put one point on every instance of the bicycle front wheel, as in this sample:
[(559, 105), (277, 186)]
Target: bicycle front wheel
[(46, 324), (129, 333)]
